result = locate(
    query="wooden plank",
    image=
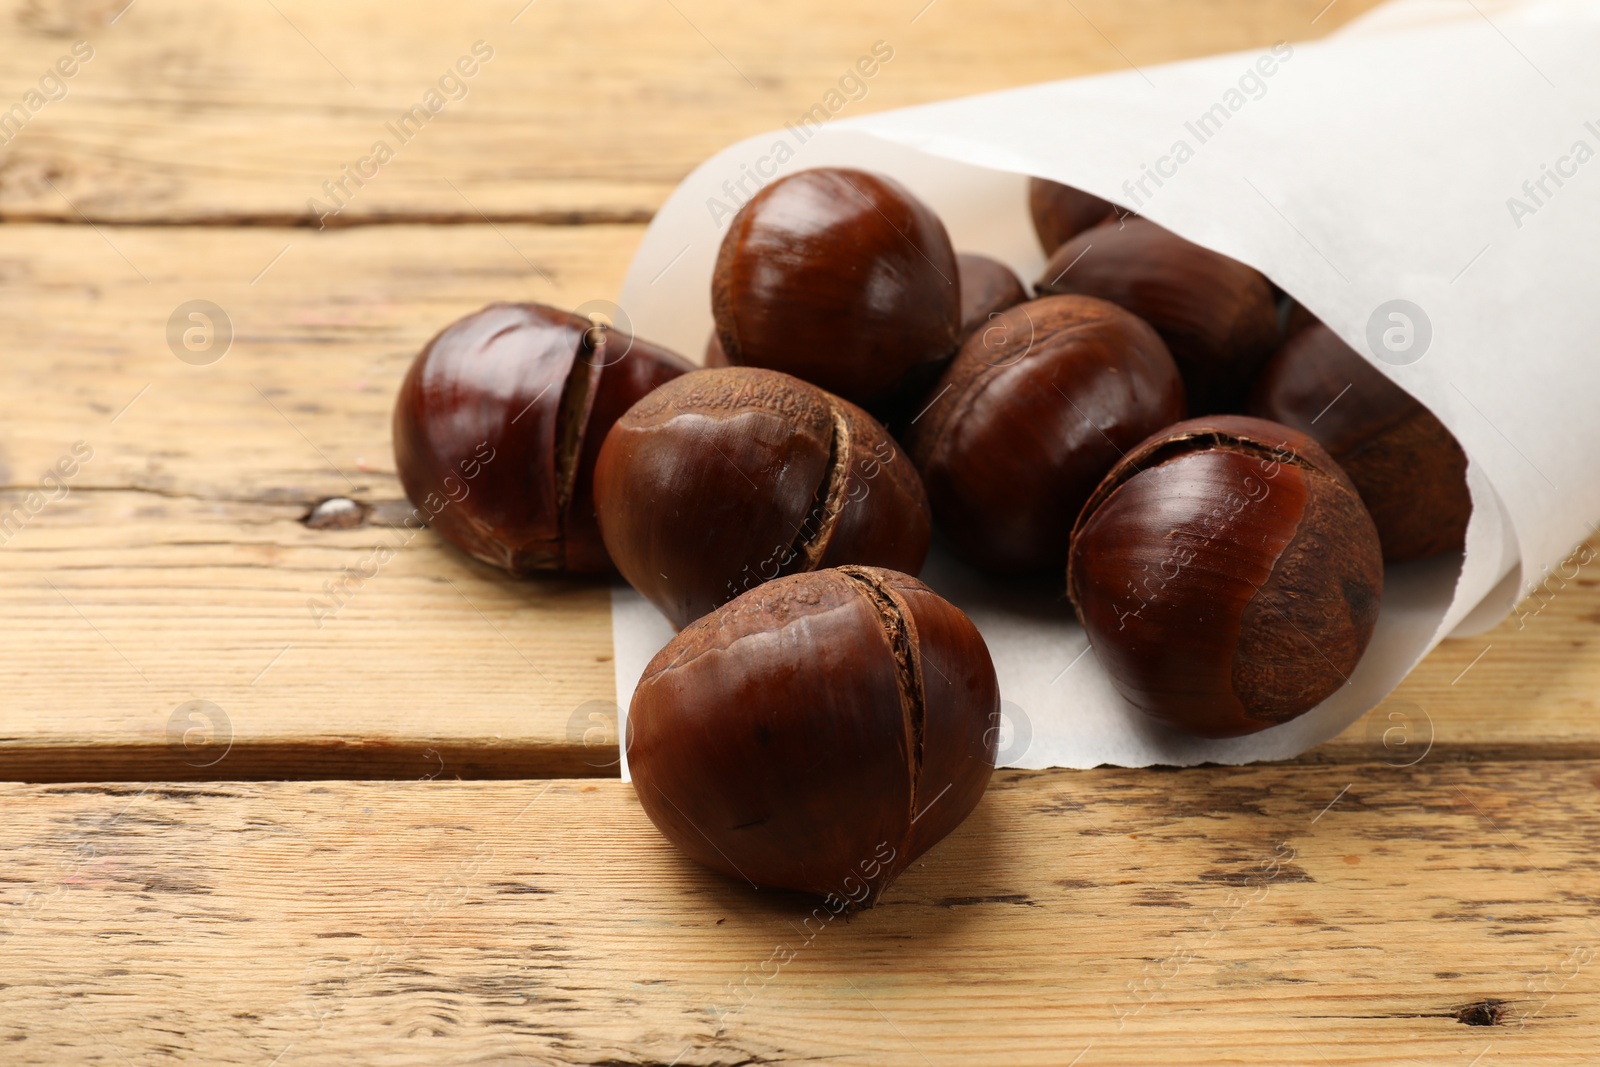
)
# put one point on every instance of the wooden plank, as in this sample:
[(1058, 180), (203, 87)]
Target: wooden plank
[(178, 569), (197, 112), (1285, 915)]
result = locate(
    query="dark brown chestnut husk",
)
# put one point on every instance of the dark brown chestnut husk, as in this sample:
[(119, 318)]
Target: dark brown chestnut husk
[(499, 422), (715, 356), (819, 733), (1217, 316), (840, 277), (724, 479), (1035, 410), (1061, 212), (1409, 469), (988, 287), (1228, 575)]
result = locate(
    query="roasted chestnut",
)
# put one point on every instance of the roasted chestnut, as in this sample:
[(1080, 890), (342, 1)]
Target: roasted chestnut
[(1035, 410), (1228, 575), (498, 424), (724, 479), (839, 277), (819, 733), (1217, 315), (715, 356), (1061, 212), (988, 287), (1408, 468)]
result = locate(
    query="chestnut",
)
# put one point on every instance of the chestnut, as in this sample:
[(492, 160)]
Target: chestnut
[(1228, 575), (715, 356), (1034, 411), (510, 405), (1217, 315), (839, 277), (1408, 468), (724, 479), (819, 733), (1061, 212), (988, 286)]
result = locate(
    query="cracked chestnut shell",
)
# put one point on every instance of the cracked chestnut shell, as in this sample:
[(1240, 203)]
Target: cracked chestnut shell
[(988, 287), (1061, 212), (500, 420), (1034, 411), (724, 479), (1408, 468), (819, 733), (1228, 575), (1217, 316), (840, 277)]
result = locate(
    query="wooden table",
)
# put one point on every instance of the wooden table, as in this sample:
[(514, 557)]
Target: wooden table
[(233, 834)]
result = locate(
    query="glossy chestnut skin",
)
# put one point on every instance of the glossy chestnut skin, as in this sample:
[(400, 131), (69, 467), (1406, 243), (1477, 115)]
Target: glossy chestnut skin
[(1030, 416), (1227, 574), (724, 479), (499, 421), (988, 287), (819, 733), (1408, 468), (839, 277), (1061, 212), (1217, 315)]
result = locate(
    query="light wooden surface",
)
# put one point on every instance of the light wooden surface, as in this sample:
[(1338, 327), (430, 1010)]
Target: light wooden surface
[(1342, 915), (178, 567), (1432, 865), (195, 111)]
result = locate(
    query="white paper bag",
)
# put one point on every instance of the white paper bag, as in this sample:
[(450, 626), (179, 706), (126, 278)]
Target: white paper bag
[(1433, 160)]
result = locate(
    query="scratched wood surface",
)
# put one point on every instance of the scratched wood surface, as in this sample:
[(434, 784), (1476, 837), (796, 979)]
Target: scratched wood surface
[(194, 111), (1354, 914)]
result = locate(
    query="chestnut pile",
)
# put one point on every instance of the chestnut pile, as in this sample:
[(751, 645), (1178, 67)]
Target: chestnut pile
[(1217, 500)]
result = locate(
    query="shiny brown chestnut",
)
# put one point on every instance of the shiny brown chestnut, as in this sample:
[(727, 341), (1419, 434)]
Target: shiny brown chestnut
[(988, 287), (819, 733), (499, 422), (715, 356), (724, 479), (1061, 212), (1031, 415), (1408, 468), (1228, 575), (1217, 315), (839, 277)]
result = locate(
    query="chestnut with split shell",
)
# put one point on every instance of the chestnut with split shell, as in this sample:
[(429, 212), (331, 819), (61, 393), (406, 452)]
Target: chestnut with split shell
[(1409, 469), (724, 479), (1034, 411), (1228, 575), (1218, 317), (819, 733), (499, 422), (840, 277)]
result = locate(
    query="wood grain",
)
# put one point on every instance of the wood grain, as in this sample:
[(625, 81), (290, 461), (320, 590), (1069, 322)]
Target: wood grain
[(178, 567), (226, 113), (1284, 915)]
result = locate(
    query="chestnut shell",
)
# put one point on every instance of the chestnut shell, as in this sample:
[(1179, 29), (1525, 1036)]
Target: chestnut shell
[(1409, 469), (840, 277), (1217, 316), (1228, 575), (1061, 212), (819, 733), (524, 393), (1031, 415), (724, 479), (988, 287)]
